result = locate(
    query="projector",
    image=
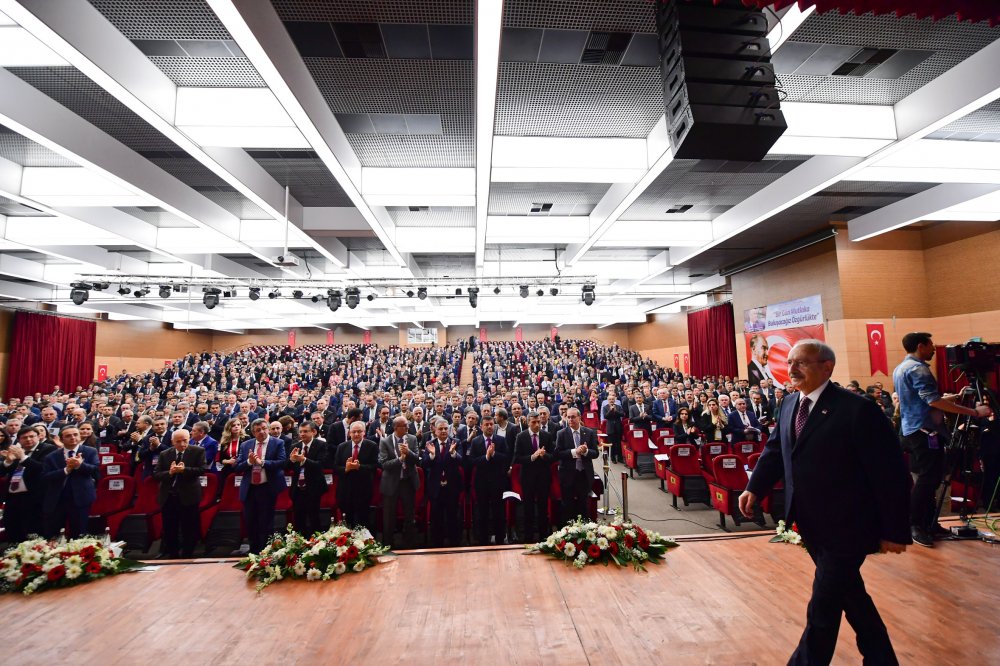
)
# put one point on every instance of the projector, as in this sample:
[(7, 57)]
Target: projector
[(286, 260)]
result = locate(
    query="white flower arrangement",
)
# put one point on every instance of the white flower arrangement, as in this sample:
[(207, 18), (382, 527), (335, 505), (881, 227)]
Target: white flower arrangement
[(621, 543), (38, 564)]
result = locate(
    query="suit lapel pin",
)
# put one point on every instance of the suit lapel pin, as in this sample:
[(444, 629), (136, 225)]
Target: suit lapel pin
[(823, 412)]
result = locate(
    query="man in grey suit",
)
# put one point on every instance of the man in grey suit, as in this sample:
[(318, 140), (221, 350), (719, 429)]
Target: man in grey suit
[(399, 462), (178, 470)]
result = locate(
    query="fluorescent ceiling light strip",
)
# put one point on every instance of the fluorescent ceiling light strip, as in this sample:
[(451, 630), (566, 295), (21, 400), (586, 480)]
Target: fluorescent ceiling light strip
[(19, 48), (919, 174), (245, 137), (810, 145), (244, 36), (488, 28)]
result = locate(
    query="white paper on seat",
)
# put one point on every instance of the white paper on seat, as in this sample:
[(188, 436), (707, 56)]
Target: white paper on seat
[(662, 457), (511, 495)]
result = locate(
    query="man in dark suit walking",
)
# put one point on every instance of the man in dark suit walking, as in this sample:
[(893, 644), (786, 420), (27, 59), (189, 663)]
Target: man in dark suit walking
[(306, 462), (398, 457), (846, 487), (489, 459), (261, 462), (178, 470), (71, 475), (355, 465), (533, 451), (23, 463), (576, 449)]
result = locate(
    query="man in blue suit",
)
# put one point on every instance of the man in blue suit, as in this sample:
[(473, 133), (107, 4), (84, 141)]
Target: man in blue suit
[(742, 420), (261, 462), (661, 410), (442, 463), (846, 486), (71, 475), (200, 437)]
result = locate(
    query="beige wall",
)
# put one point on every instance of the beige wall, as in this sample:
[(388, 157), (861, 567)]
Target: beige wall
[(129, 345), (610, 335), (662, 336)]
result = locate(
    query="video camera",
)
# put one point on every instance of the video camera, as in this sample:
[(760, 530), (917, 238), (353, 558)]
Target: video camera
[(974, 356)]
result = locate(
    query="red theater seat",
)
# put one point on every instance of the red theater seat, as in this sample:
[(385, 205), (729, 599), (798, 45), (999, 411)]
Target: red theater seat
[(684, 477), (730, 481)]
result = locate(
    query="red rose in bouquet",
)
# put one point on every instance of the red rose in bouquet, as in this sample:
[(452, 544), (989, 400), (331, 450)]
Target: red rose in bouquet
[(93, 567), (613, 547), (352, 552), (629, 542), (55, 573), (594, 551), (342, 541), (88, 552)]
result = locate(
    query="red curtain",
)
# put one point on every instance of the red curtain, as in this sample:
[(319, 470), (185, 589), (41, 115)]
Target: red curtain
[(46, 350), (947, 380), (712, 341)]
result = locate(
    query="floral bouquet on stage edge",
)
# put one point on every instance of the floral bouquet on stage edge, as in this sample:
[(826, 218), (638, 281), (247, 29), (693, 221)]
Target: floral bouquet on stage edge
[(325, 555), (787, 535), (41, 564), (620, 542)]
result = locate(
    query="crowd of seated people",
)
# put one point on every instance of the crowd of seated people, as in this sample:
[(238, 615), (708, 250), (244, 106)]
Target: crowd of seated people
[(345, 430)]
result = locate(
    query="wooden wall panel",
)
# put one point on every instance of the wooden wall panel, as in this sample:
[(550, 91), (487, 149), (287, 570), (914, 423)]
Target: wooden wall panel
[(883, 276), (131, 345), (610, 335), (342, 335), (961, 275)]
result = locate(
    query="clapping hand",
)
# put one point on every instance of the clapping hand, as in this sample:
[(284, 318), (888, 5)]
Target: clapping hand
[(15, 452), (490, 450), (581, 450), (73, 463), (352, 464), (430, 450), (296, 456), (404, 450), (175, 468), (453, 449)]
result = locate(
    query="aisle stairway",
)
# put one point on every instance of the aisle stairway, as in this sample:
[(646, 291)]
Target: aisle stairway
[(465, 380)]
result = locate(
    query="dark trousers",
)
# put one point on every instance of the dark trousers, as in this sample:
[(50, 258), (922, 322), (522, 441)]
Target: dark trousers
[(356, 509), (258, 513), (65, 510), (576, 495), (927, 469), (838, 589), (183, 521), (444, 518), (305, 508), (22, 516), (535, 498), (407, 495), (489, 515)]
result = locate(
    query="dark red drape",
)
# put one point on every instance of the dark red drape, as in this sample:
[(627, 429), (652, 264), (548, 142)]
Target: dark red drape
[(46, 351), (955, 381), (712, 341)]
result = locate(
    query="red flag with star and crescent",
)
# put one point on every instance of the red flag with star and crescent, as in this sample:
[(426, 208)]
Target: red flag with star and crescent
[(876, 348)]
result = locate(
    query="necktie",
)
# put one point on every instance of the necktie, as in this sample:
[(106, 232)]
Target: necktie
[(399, 443), (576, 442), (355, 455), (177, 459), (746, 420), (642, 411), (534, 442), (302, 469), (802, 416), (255, 475)]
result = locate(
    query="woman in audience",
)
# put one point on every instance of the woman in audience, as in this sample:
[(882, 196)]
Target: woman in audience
[(87, 436), (685, 429), (611, 414), (229, 449), (287, 429), (45, 436), (714, 422)]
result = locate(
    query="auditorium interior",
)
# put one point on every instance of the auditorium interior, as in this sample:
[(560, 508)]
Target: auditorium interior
[(505, 208)]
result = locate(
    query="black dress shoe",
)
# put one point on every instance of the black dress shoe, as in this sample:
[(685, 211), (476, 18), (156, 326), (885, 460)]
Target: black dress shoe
[(921, 537), (939, 532)]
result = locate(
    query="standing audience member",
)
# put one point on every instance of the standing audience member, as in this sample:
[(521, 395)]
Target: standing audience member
[(489, 462), (23, 465), (442, 465), (306, 461), (534, 451), (261, 462), (71, 475), (576, 448), (399, 461), (178, 470), (355, 465)]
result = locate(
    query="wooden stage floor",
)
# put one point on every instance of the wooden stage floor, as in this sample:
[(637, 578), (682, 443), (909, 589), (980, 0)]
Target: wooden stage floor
[(731, 601)]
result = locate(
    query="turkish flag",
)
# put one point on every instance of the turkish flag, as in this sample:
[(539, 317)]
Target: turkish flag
[(677, 361), (687, 364), (518, 334), (553, 332), (329, 337), (482, 334), (102, 373), (876, 348), (291, 339), (367, 337)]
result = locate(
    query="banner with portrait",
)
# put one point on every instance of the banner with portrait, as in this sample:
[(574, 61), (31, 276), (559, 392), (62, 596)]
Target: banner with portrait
[(770, 331), (421, 336)]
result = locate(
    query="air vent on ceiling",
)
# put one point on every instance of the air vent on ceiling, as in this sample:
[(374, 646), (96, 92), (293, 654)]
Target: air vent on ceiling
[(541, 207), (605, 48), (679, 208), (360, 40), (419, 209), (805, 58)]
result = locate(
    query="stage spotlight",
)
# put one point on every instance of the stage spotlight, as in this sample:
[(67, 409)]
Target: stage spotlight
[(139, 293), (353, 297), (458, 291), (370, 297), (409, 294), (254, 293), (274, 293), (315, 298), (422, 293), (333, 300), (230, 293), (124, 290), (211, 297), (539, 293), (101, 286), (588, 294), (496, 290), (524, 291), (297, 294), (80, 292), (473, 296), (554, 291), (165, 290)]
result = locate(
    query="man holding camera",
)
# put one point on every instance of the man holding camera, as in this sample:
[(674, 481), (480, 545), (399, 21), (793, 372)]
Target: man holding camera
[(921, 437)]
